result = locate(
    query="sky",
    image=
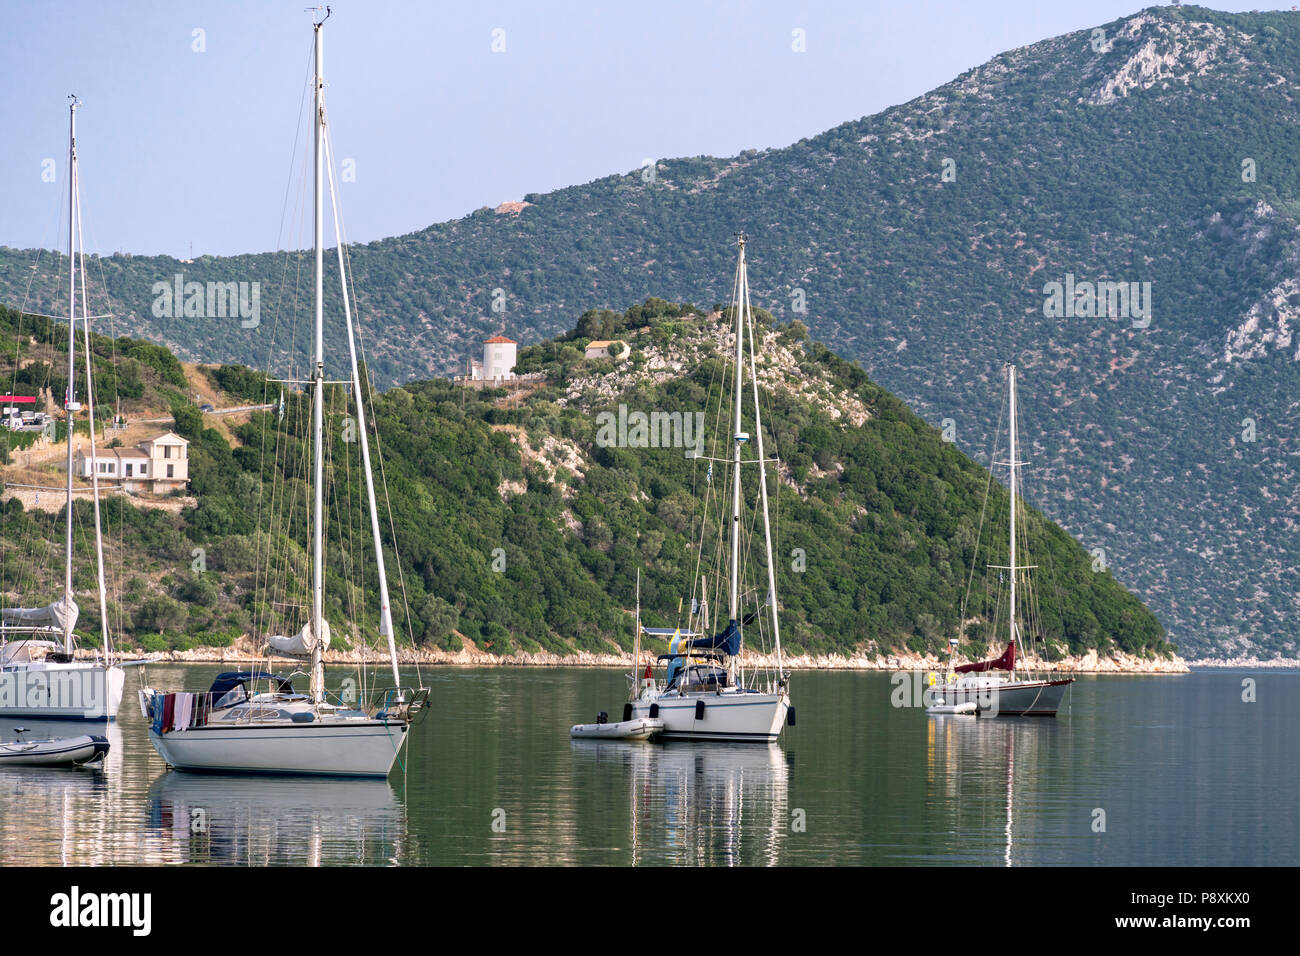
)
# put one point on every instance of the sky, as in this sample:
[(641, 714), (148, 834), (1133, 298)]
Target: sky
[(190, 108)]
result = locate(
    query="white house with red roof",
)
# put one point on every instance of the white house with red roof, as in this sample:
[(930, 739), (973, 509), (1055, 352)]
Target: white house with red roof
[(498, 365)]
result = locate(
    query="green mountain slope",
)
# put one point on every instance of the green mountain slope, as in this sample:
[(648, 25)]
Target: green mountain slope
[(520, 528), (1156, 149)]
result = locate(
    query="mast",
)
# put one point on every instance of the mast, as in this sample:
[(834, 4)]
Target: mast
[(738, 439), (94, 454), (69, 399), (636, 642), (318, 399), (762, 483), (1011, 379)]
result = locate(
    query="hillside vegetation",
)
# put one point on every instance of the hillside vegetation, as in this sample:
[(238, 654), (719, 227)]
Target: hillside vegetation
[(519, 530)]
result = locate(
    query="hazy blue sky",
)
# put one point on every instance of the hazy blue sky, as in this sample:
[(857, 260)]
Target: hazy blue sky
[(181, 147)]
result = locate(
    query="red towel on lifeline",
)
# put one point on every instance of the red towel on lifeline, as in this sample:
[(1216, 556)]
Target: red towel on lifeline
[(169, 712)]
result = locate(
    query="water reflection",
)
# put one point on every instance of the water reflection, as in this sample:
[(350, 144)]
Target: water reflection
[(699, 803), (981, 772), (273, 821), (58, 815)]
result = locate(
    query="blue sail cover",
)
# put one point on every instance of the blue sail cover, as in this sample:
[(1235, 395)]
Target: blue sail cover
[(728, 641)]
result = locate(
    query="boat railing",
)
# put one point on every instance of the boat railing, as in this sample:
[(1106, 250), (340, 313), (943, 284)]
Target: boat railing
[(403, 704)]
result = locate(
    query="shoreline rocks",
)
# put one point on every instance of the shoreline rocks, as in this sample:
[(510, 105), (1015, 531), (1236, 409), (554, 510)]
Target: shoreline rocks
[(243, 652)]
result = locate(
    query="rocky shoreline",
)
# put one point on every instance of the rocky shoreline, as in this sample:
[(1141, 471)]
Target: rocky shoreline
[(242, 652)]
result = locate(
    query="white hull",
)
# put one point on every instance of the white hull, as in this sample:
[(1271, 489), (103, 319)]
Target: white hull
[(346, 748), (995, 697), (736, 715), (73, 691), (56, 752)]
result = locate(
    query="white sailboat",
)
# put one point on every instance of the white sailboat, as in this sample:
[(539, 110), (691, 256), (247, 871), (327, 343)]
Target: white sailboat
[(974, 686), (39, 675), (255, 722), (705, 694)]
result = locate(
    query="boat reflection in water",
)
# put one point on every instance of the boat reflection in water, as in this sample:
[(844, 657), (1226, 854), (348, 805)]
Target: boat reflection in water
[(276, 821), (986, 789), (60, 815), (712, 804)]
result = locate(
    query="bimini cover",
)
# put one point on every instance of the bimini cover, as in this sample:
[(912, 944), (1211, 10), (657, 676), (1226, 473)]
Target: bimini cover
[(61, 615), (300, 644), (229, 680)]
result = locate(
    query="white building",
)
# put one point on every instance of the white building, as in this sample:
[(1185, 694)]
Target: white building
[(159, 464), (498, 365), (605, 348)]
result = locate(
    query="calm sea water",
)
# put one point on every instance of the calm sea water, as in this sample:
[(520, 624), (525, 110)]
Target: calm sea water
[(1184, 770)]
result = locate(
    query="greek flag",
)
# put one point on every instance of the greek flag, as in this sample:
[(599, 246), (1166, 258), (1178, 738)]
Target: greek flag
[(280, 414), (708, 479)]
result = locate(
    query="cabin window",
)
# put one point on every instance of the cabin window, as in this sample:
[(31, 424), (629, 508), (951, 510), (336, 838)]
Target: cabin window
[(236, 695)]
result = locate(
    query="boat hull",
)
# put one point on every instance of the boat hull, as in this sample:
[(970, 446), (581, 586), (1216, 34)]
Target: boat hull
[(72, 691), (1028, 698), (56, 752), (360, 748), (744, 717)]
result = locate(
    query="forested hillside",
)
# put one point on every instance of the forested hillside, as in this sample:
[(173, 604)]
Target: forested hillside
[(519, 529)]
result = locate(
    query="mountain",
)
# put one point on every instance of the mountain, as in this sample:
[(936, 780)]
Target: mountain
[(521, 527), (928, 242)]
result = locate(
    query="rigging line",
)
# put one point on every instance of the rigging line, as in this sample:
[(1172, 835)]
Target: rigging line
[(90, 420), (117, 384), (18, 335), (979, 534), (277, 572), (365, 386), (700, 503)]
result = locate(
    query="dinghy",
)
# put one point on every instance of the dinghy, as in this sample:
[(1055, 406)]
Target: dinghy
[(641, 728), (966, 707), (54, 752)]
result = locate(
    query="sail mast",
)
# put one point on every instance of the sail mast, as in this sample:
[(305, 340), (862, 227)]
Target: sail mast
[(1011, 378), (762, 483), (737, 439), (69, 398), (318, 401)]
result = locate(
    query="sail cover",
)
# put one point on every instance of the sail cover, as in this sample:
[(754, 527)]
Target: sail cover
[(728, 641), (61, 615), (300, 644), (1007, 662)]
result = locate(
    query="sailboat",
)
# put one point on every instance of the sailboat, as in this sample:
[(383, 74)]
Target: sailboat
[(254, 721), (1014, 692), (706, 694), (39, 675)]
